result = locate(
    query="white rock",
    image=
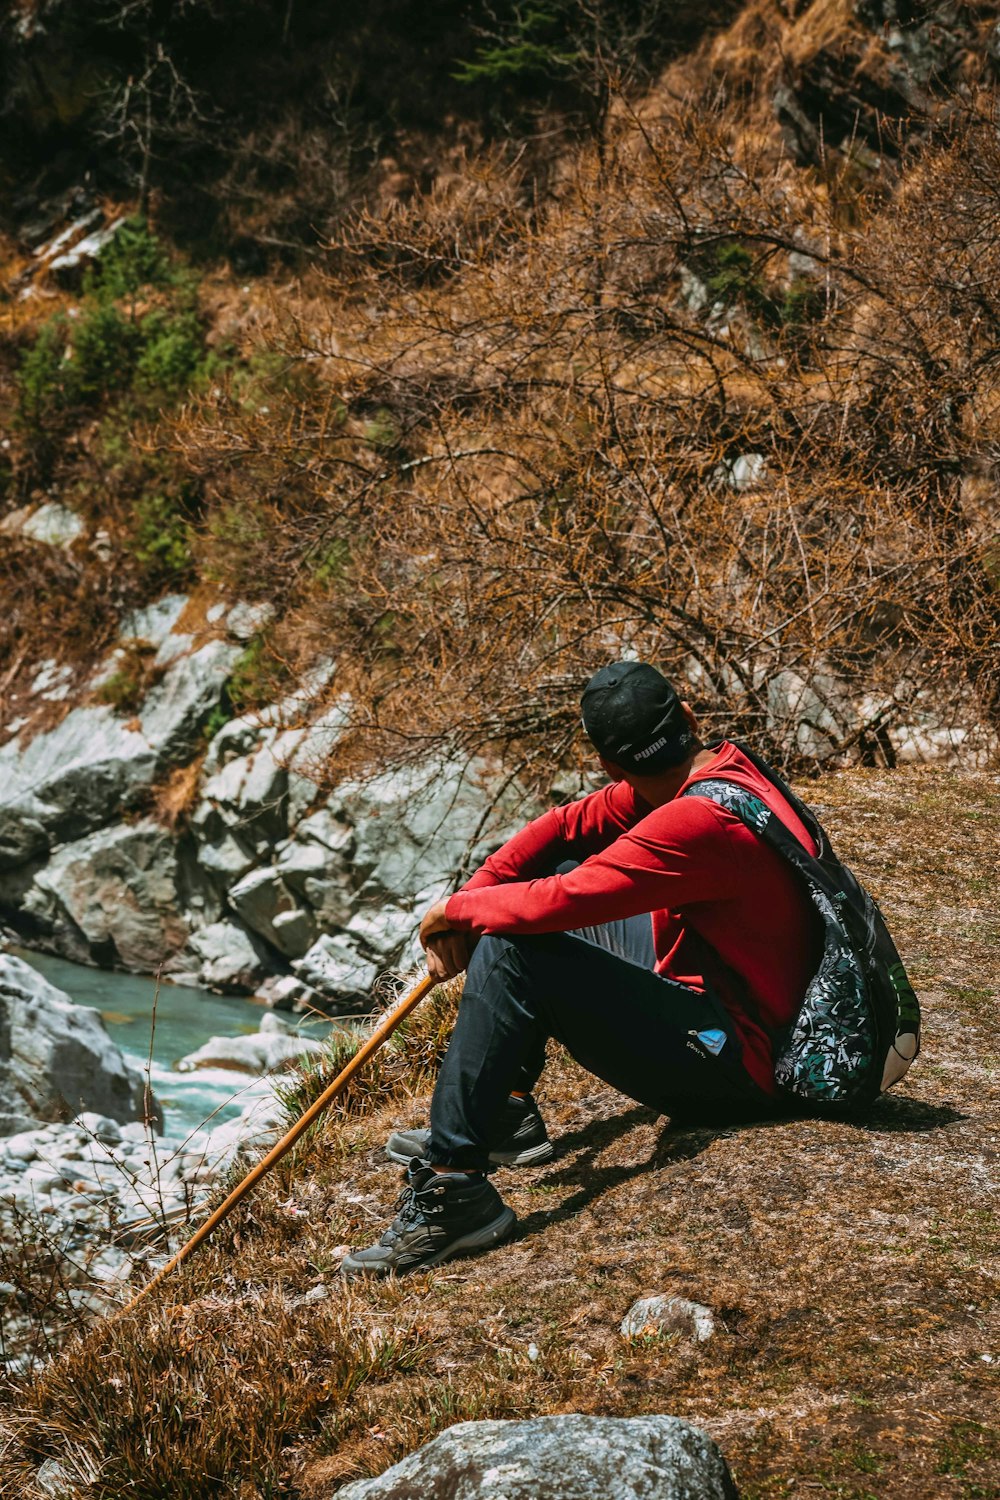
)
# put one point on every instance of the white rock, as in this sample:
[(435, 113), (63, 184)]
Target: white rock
[(41, 1178), (245, 620), (53, 524), (294, 931), (66, 236), (415, 827), (694, 292), (93, 764), (24, 1146), (383, 929), (87, 249), (52, 681), (56, 1481), (156, 621), (273, 1047), (668, 1315), (795, 707), (101, 1127), (227, 861), (285, 992), (743, 472)]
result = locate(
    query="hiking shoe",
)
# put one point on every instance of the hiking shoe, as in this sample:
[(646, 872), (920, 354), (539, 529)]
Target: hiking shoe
[(441, 1214), (524, 1141)]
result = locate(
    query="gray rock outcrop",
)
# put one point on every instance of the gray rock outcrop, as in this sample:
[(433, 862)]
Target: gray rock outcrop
[(267, 875), (56, 1057), (563, 1458), (95, 765), (111, 898)]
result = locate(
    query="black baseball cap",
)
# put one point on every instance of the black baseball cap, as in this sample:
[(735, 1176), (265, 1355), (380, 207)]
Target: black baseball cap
[(634, 717)]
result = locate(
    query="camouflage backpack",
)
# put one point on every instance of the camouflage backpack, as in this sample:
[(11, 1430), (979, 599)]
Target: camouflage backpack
[(858, 1028)]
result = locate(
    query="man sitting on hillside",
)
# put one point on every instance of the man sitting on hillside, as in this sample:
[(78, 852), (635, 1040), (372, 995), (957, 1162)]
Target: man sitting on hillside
[(663, 959)]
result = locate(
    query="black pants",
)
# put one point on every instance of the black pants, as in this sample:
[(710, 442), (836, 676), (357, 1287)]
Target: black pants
[(595, 991)]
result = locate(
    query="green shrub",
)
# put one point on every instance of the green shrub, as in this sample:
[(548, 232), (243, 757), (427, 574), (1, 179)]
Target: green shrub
[(249, 681), (104, 352), (732, 277), (533, 49), (133, 259), (382, 432), (333, 562), (115, 351), (161, 537), (220, 716), (804, 302), (42, 376), (172, 354)]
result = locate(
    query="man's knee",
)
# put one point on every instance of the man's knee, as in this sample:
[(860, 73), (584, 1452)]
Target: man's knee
[(495, 958)]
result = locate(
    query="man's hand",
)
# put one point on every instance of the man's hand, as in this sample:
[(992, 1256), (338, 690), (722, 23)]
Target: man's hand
[(447, 951)]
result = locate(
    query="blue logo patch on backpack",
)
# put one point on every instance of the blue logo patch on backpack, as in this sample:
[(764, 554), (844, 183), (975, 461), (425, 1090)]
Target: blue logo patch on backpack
[(858, 1027)]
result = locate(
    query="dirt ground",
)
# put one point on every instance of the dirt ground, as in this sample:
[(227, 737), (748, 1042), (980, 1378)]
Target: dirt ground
[(852, 1269)]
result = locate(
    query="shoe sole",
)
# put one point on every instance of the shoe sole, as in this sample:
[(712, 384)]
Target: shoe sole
[(486, 1238), (531, 1156)]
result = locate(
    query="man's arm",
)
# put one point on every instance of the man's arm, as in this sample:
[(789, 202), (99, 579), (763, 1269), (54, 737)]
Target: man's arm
[(678, 856), (575, 830)]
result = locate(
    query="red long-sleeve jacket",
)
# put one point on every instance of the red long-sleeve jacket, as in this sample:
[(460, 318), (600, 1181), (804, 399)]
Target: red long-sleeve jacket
[(727, 911)]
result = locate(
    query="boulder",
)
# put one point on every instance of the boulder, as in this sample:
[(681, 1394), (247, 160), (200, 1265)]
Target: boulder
[(274, 1046), (176, 709), (416, 827), (111, 898), (56, 1058), (563, 1458), (318, 871), (225, 861), (285, 992), (52, 524), (337, 968), (226, 958), (800, 707), (246, 799), (266, 905)]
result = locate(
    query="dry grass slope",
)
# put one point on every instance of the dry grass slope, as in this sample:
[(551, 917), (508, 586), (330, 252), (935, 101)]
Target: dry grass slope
[(852, 1269)]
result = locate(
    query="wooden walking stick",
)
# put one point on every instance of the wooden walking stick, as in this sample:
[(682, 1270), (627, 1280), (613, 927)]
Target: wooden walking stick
[(382, 1032)]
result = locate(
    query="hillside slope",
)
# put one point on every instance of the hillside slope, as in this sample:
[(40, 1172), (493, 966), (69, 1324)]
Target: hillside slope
[(852, 1269)]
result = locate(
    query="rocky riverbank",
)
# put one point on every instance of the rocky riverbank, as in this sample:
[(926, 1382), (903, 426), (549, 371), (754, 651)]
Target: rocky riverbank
[(265, 883), (91, 1185)]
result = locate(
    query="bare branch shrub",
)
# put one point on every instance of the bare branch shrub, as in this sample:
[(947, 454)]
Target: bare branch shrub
[(705, 407)]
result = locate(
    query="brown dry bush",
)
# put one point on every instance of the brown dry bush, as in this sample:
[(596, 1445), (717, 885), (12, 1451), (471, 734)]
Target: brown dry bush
[(696, 409)]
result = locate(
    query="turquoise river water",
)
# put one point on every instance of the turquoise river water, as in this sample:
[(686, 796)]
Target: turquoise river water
[(184, 1019)]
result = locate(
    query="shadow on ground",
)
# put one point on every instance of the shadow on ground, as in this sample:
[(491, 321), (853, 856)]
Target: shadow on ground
[(680, 1141)]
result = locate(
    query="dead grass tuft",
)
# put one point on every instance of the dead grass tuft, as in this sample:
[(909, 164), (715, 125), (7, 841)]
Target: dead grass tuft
[(175, 797)]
